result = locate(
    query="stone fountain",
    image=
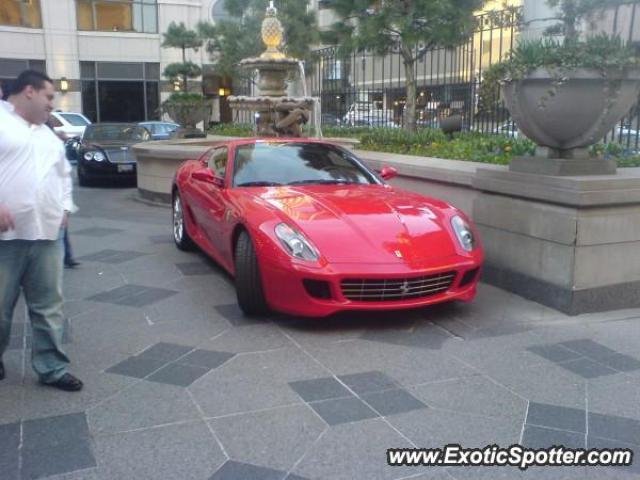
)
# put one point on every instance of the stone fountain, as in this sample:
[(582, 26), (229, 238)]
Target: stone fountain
[(278, 114)]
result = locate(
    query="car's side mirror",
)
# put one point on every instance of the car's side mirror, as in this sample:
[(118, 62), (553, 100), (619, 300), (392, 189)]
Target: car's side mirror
[(387, 173), (71, 148), (207, 176)]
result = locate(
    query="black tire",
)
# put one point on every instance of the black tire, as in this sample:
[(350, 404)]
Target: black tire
[(248, 281), (180, 234)]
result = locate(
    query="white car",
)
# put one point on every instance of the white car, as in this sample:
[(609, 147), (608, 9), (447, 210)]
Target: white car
[(69, 124), (363, 114), (508, 128)]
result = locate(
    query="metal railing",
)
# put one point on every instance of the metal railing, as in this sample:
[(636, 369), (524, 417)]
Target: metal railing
[(365, 89), (368, 89)]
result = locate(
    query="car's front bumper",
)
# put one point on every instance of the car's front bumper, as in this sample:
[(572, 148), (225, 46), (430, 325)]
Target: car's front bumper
[(107, 170), (285, 291)]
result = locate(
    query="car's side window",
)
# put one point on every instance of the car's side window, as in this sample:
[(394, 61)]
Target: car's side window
[(218, 161)]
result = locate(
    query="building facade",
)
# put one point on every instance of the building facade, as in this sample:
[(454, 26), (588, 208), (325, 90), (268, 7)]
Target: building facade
[(107, 60), (104, 55)]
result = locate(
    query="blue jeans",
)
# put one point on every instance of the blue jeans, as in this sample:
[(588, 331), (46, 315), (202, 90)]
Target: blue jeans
[(36, 267), (68, 256)]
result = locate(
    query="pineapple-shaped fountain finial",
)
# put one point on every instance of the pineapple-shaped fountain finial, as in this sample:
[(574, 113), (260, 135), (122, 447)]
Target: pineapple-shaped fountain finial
[(272, 32)]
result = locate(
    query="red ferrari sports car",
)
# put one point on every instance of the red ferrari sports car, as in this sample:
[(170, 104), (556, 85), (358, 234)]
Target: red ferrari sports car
[(306, 229)]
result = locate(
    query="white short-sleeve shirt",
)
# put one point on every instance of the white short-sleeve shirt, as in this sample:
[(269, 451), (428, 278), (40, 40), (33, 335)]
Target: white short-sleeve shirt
[(35, 178)]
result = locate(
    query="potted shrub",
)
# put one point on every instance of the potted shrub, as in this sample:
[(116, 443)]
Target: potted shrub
[(566, 94), (188, 109)]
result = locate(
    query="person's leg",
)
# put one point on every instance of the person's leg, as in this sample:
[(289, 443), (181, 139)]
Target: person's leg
[(13, 254), (42, 285), (67, 248), (69, 261)]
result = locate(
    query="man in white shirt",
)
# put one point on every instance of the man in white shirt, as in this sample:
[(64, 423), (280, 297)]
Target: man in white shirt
[(35, 199), (3, 104)]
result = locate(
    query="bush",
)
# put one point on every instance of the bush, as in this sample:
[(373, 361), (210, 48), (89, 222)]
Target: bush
[(233, 130), (608, 55), (470, 146), (431, 142), (184, 97)]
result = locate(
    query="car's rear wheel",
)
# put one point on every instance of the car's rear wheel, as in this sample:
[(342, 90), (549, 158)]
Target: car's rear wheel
[(180, 234), (249, 290)]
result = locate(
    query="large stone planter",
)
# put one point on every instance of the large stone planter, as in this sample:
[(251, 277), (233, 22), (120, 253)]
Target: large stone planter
[(572, 243), (575, 114), (188, 114)]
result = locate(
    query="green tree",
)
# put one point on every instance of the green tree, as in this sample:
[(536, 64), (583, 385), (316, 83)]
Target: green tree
[(229, 41), (178, 36), (572, 12), (409, 28)]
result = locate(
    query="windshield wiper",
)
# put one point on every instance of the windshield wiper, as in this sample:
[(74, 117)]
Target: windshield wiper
[(334, 181), (259, 184)]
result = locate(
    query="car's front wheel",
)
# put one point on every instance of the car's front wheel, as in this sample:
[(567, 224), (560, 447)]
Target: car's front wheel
[(249, 290), (180, 235)]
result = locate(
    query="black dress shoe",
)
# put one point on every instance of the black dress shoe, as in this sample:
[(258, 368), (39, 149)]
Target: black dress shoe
[(1, 370), (71, 264), (68, 383)]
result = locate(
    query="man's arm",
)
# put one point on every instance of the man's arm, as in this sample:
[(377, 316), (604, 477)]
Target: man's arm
[(6, 220), (67, 194)]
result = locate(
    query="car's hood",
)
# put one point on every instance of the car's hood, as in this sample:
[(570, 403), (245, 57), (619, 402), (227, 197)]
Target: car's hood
[(367, 223), (109, 144)]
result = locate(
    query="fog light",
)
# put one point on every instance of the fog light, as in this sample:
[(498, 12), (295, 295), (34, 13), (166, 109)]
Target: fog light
[(469, 277), (317, 288)]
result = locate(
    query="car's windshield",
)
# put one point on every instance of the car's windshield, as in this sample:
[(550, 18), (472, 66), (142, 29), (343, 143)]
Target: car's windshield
[(264, 164), (116, 133), (75, 119)]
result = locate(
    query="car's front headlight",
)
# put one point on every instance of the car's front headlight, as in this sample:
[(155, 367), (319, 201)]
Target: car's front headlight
[(295, 243), (463, 233), (94, 155)]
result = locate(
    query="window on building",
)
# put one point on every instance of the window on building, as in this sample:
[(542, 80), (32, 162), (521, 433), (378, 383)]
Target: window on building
[(118, 15), (21, 13), (10, 68), (120, 92)]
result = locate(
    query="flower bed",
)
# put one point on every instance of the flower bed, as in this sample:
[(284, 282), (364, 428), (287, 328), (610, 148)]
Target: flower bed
[(430, 142)]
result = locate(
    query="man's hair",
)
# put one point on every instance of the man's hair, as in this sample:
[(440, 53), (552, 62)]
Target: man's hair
[(31, 78)]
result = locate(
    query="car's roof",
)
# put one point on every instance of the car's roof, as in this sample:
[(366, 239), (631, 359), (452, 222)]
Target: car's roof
[(156, 122), (115, 124), (73, 113)]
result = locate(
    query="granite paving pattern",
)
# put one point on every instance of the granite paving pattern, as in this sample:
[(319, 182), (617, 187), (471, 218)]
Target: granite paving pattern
[(180, 385)]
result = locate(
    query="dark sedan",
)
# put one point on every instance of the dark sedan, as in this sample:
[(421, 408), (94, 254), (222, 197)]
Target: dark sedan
[(105, 151)]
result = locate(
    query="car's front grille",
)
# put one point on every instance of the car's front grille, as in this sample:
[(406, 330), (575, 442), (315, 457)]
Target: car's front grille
[(394, 289), (118, 155)]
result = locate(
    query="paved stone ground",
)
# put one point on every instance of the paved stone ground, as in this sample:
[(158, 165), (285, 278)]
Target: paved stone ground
[(179, 385)]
